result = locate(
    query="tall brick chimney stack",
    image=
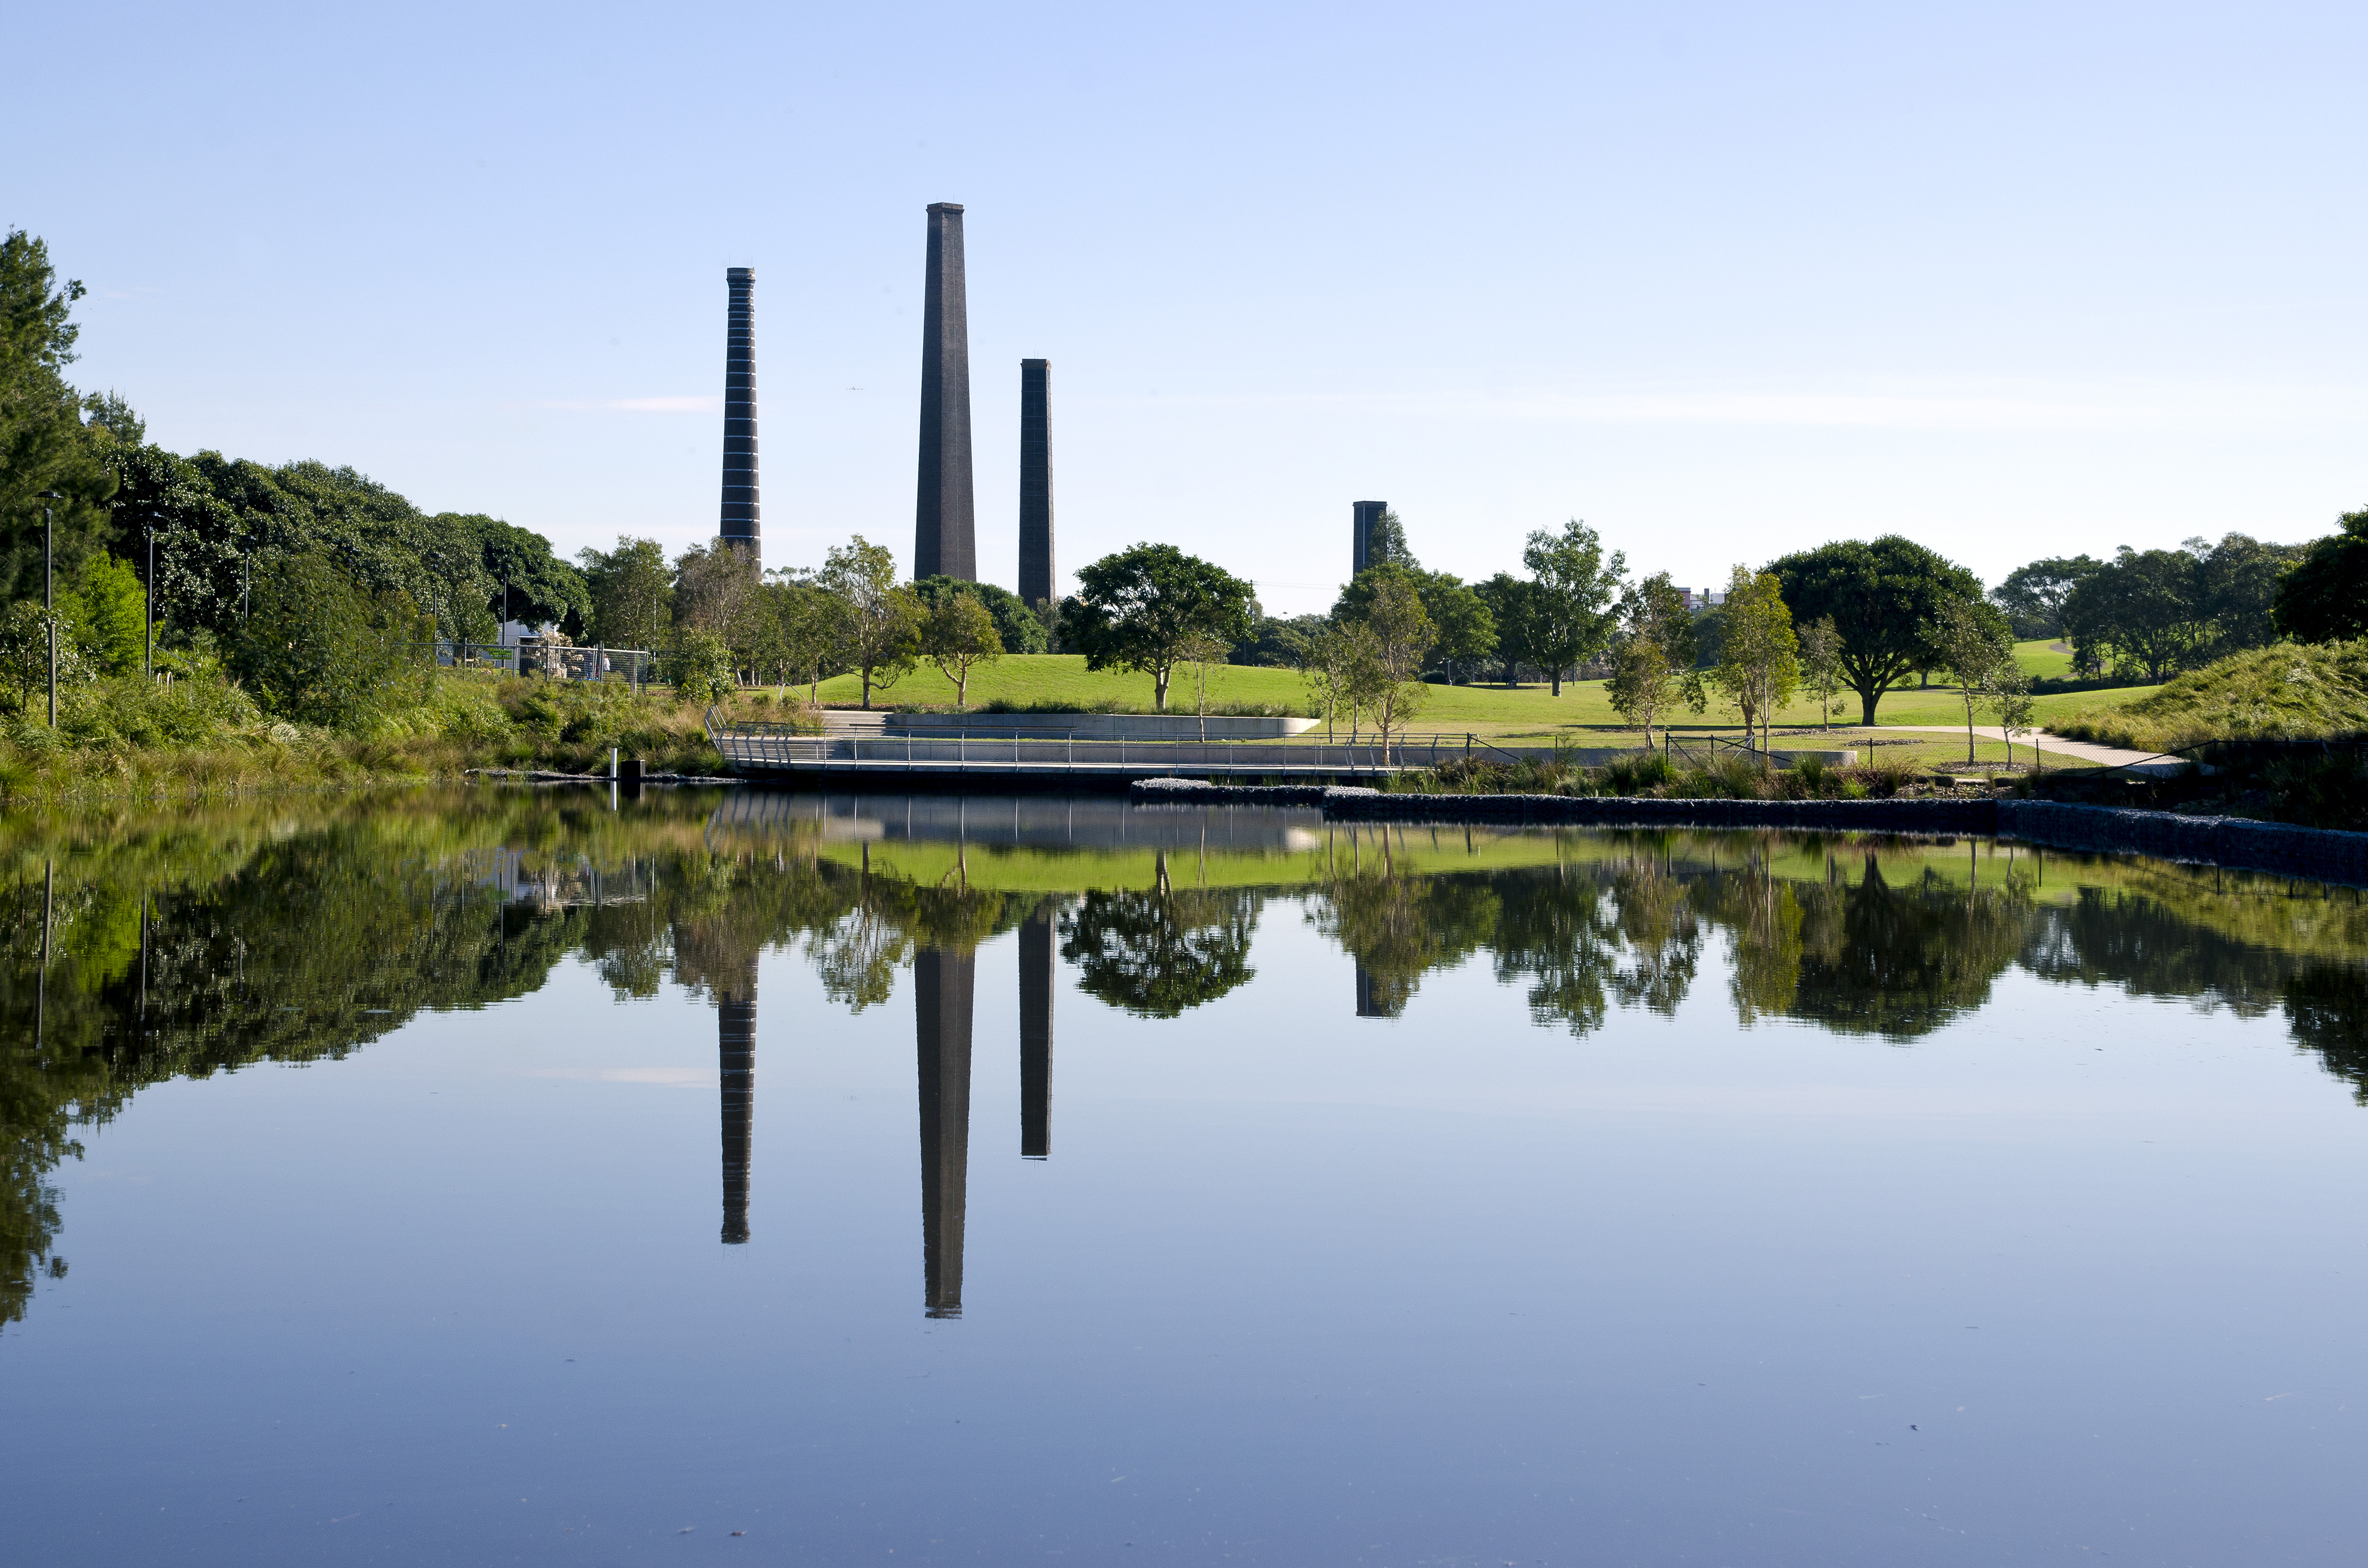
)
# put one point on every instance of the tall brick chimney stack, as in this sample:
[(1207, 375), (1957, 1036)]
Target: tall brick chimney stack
[(739, 523), (945, 524), (1036, 566)]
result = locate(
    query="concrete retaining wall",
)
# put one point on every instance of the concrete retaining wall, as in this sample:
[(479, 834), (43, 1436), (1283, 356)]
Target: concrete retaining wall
[(1095, 726)]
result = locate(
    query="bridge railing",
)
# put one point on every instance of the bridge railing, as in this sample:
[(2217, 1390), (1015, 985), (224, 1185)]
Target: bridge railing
[(780, 747)]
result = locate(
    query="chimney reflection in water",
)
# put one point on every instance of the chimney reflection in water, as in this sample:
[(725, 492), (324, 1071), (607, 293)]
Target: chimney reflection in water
[(1036, 1033), (943, 984), (735, 1058)]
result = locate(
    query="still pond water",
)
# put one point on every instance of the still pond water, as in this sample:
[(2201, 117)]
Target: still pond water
[(500, 1177)]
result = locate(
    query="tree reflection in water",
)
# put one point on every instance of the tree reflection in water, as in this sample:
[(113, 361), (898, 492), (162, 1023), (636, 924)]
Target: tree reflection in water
[(143, 948), (1159, 953)]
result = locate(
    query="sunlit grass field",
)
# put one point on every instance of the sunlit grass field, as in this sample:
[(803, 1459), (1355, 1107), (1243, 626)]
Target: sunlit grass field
[(1524, 712)]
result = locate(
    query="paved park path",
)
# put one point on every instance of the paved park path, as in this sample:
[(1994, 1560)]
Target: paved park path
[(2084, 751)]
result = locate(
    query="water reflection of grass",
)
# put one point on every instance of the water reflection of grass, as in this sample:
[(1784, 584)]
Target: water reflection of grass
[(144, 947)]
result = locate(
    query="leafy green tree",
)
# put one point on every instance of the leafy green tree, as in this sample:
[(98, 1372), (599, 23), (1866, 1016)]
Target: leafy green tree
[(25, 632), (1275, 642), (2141, 612), (1973, 647), (1652, 659), (1020, 628), (716, 590), (1512, 606), (809, 626), (318, 649), (1387, 543), (110, 613), (530, 585), (702, 665), (1821, 665), (1402, 634), (1759, 657), (632, 591), (43, 443), (1464, 631), (879, 622), (2033, 597), (2008, 696), (1576, 607), (2325, 597), (956, 635), (1140, 609), (2153, 613), (1884, 599), (1332, 659)]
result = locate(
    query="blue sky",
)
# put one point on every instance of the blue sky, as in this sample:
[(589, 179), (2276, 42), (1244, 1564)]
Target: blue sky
[(1725, 282)]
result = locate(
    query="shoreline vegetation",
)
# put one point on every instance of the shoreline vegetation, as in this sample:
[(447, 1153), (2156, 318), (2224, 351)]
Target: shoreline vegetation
[(200, 735), (124, 738)]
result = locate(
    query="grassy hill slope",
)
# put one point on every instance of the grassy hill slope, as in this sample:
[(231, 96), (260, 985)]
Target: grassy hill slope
[(2284, 691), (1495, 711)]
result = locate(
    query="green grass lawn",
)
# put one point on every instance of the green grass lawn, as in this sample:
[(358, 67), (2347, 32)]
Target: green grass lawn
[(1526, 712), (2043, 660)]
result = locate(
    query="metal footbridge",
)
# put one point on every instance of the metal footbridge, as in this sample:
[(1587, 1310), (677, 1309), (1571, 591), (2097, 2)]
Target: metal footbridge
[(756, 749)]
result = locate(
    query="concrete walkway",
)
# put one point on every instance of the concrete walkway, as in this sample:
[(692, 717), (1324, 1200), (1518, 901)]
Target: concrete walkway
[(2083, 750)]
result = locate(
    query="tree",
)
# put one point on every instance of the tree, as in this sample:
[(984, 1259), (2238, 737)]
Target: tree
[(1276, 641), (43, 443), (1330, 658), (1652, 659), (1884, 598), (2141, 610), (1200, 650), (2008, 695), (879, 622), (1402, 634), (1387, 541), (702, 667), (2033, 597), (631, 592), (1758, 664), (110, 613), (2325, 597), (1139, 608), (809, 622), (1464, 629), (957, 633), (2157, 612), (1511, 603), (1971, 646), (1575, 609), (1020, 628), (529, 583), (25, 655), (718, 590), (2236, 582), (1821, 667), (321, 649)]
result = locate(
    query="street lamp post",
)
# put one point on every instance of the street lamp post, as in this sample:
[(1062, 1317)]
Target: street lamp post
[(148, 649), (49, 595)]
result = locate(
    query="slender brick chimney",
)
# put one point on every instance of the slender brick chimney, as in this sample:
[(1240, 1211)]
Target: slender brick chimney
[(1036, 569), (739, 523), (1365, 517), (945, 525)]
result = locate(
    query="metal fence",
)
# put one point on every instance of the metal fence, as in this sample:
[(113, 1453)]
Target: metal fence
[(634, 667), (774, 747)]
